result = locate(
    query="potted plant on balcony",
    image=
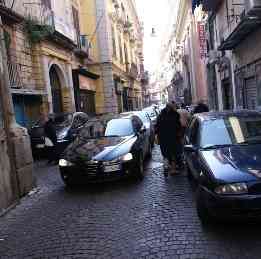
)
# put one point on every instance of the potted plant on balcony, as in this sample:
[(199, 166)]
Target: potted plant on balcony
[(37, 32)]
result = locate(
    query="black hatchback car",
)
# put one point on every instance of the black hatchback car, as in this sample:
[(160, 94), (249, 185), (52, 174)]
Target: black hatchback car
[(107, 148), (67, 127), (223, 155)]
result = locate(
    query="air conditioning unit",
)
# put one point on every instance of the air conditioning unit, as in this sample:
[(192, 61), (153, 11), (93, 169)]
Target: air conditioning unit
[(253, 8)]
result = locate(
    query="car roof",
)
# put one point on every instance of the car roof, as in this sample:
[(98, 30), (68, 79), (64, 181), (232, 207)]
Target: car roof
[(225, 114)]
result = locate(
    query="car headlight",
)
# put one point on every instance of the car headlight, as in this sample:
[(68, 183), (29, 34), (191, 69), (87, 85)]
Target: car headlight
[(127, 157), (236, 188), (62, 135), (65, 163)]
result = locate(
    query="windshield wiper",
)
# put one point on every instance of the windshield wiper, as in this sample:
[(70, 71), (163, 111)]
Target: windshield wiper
[(216, 146)]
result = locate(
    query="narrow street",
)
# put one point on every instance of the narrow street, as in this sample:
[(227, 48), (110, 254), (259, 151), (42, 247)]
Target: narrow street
[(152, 219)]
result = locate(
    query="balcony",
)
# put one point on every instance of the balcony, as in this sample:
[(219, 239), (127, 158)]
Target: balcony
[(44, 23), (245, 26), (83, 46), (9, 16)]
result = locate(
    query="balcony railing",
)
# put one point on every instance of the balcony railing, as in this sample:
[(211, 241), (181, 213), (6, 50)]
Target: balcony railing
[(83, 46), (62, 31), (39, 13), (14, 71), (7, 13)]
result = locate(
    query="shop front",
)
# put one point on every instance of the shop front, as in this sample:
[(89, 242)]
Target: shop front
[(248, 81), (85, 91)]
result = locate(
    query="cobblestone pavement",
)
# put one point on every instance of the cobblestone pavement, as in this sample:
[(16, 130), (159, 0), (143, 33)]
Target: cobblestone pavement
[(152, 219)]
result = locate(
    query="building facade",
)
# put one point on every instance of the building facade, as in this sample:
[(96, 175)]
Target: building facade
[(184, 55), (234, 55), (119, 55)]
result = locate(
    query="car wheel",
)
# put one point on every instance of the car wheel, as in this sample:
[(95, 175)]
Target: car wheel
[(67, 181), (202, 210), (139, 168)]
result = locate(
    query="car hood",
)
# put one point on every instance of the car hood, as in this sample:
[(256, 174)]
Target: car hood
[(239, 163), (102, 149)]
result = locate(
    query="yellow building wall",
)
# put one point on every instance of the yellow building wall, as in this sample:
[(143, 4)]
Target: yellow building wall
[(88, 24)]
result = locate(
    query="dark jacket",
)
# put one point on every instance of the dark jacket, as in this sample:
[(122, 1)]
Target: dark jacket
[(168, 127), (50, 131)]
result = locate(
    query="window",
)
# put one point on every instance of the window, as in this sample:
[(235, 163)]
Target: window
[(120, 48), (114, 53), (76, 23)]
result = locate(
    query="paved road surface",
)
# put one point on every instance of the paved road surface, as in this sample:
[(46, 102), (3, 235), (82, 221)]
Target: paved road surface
[(152, 219)]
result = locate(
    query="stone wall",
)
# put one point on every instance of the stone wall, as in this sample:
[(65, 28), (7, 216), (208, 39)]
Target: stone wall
[(6, 193)]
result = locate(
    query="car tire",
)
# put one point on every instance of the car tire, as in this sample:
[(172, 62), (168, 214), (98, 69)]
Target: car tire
[(68, 181), (139, 168), (202, 210)]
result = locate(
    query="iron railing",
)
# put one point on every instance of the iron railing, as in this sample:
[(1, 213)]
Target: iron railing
[(14, 70)]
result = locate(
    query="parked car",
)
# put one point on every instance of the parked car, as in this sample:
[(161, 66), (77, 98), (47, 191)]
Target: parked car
[(106, 149), (67, 126), (146, 121), (223, 157)]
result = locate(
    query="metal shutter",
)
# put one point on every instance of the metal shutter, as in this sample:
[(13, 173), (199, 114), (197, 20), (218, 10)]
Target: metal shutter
[(250, 93)]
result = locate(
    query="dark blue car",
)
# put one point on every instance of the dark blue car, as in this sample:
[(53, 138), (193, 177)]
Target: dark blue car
[(223, 156)]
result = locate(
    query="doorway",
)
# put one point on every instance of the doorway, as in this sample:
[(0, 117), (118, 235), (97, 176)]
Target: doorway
[(56, 89), (227, 95)]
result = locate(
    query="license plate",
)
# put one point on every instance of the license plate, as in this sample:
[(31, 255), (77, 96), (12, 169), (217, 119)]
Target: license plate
[(40, 146), (112, 168)]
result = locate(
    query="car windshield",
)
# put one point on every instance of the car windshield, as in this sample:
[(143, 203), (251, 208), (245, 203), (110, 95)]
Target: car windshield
[(119, 127), (231, 131), (101, 128)]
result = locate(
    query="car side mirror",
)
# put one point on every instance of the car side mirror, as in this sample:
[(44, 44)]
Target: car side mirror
[(190, 148)]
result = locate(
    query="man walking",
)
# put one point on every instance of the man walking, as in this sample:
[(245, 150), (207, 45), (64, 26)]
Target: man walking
[(51, 139), (168, 129)]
